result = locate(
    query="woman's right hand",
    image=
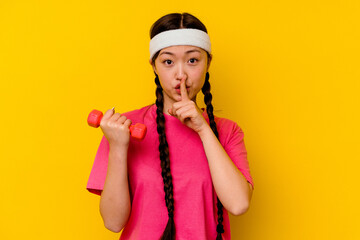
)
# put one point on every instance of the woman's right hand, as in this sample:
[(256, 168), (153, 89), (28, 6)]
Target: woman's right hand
[(116, 128)]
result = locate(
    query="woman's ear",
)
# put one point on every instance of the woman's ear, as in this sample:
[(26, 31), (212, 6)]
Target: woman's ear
[(153, 65), (208, 63)]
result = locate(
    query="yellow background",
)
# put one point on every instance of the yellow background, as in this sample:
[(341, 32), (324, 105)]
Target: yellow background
[(286, 71)]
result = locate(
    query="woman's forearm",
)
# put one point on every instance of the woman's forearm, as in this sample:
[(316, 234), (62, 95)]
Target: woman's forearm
[(115, 203), (230, 185)]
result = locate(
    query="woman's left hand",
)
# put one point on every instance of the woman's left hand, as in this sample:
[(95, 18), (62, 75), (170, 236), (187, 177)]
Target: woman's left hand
[(187, 111)]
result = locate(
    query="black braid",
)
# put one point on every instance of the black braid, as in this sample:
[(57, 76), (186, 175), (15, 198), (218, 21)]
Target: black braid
[(169, 232), (209, 110)]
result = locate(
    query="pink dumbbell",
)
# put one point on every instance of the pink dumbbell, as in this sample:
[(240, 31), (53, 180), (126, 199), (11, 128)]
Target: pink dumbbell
[(137, 130)]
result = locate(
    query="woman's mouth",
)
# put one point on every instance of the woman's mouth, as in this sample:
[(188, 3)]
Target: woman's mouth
[(178, 89)]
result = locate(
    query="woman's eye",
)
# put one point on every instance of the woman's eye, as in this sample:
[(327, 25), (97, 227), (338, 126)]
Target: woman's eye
[(193, 60), (167, 62)]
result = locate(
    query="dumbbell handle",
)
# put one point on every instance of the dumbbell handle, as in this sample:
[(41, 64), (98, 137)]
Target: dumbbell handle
[(137, 130)]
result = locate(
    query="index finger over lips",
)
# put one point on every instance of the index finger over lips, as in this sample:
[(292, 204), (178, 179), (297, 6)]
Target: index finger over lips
[(183, 91)]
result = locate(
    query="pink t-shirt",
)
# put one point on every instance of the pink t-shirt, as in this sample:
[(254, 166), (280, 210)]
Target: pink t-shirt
[(195, 211)]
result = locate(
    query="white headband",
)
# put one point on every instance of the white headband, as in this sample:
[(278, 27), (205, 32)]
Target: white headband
[(183, 36)]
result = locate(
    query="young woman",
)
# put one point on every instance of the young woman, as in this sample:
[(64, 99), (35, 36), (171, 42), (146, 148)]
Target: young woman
[(191, 169)]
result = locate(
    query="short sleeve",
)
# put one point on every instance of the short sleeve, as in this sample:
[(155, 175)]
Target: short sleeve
[(235, 148), (98, 172)]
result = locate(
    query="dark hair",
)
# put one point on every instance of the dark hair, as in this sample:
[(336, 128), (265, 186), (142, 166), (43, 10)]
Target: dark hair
[(165, 23)]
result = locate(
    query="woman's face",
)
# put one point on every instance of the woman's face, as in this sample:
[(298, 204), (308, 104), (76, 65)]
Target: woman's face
[(177, 62)]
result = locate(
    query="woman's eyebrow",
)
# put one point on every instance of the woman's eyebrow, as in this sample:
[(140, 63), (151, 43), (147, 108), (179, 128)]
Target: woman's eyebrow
[(187, 52)]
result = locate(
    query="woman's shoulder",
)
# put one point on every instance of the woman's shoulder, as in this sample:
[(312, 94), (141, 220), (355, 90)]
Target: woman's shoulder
[(227, 129), (225, 123), (138, 115)]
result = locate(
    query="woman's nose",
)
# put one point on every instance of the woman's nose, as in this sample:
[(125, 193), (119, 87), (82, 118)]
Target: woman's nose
[(180, 72)]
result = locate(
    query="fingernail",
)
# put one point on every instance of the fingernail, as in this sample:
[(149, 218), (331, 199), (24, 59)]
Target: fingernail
[(113, 109)]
